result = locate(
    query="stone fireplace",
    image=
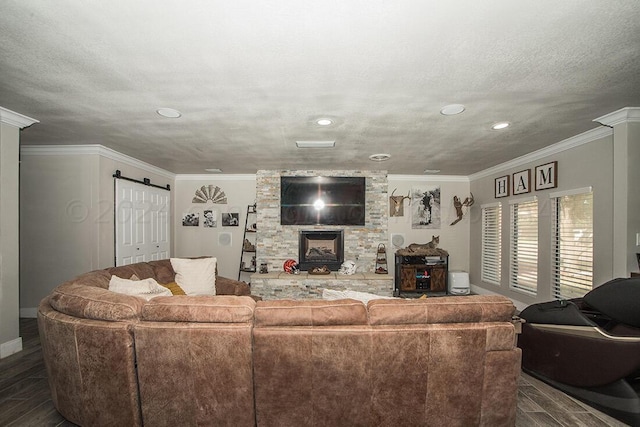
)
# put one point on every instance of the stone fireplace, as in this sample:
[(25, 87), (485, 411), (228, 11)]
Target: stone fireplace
[(276, 242), (320, 247)]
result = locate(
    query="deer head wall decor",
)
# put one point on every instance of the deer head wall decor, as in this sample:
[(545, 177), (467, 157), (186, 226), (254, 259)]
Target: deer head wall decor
[(460, 211), (396, 204)]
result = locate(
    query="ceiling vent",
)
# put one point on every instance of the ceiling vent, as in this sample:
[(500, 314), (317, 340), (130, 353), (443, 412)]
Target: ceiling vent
[(315, 144)]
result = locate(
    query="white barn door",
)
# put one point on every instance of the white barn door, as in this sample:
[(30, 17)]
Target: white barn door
[(141, 222)]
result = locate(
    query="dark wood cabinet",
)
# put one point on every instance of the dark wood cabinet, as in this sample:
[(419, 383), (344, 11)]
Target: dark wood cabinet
[(421, 274)]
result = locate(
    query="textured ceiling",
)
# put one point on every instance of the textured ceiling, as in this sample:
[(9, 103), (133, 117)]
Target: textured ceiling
[(250, 77)]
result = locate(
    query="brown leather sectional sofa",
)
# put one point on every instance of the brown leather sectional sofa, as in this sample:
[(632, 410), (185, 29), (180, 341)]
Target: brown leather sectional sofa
[(115, 359)]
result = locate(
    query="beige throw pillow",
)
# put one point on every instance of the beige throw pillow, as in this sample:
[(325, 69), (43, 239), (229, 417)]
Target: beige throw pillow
[(196, 276), (147, 288)]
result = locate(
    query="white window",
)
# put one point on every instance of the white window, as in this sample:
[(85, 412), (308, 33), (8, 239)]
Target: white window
[(491, 243), (524, 245), (572, 243)]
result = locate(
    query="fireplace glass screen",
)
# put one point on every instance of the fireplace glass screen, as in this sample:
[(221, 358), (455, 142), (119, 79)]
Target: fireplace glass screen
[(318, 248)]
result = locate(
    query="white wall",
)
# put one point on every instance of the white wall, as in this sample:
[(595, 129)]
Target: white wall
[(197, 241), (453, 238)]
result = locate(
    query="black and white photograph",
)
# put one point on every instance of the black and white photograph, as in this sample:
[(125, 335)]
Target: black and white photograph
[(425, 207), (210, 219), (191, 219), (230, 219)]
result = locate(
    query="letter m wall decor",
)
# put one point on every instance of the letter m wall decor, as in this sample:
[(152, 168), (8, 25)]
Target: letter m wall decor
[(547, 176)]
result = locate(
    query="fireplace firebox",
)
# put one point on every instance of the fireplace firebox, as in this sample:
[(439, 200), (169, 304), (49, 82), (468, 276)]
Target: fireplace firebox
[(318, 248)]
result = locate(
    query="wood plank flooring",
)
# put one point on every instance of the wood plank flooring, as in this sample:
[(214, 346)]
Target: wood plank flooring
[(25, 400)]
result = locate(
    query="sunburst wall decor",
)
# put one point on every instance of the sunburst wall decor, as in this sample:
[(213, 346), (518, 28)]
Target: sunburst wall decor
[(210, 192)]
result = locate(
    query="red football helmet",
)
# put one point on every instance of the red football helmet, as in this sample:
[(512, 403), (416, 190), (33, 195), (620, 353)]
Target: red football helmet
[(290, 266)]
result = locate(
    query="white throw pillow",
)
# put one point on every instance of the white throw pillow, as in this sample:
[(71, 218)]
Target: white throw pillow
[(147, 288), (196, 276), (332, 294)]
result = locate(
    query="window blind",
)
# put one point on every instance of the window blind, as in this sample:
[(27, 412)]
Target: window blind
[(572, 245), (491, 243), (524, 246)]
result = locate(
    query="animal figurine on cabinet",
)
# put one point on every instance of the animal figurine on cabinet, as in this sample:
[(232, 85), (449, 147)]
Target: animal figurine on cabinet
[(417, 247)]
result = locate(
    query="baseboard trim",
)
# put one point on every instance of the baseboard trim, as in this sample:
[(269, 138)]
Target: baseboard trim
[(10, 347), (29, 312)]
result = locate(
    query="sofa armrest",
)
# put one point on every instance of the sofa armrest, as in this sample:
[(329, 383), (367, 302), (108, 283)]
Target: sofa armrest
[(226, 286)]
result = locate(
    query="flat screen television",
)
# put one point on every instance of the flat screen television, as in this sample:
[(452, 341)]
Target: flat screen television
[(321, 200)]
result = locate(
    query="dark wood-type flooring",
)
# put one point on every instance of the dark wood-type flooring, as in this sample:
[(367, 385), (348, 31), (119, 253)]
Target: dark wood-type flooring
[(25, 399)]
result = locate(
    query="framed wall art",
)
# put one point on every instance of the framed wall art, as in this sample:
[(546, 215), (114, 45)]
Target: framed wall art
[(521, 182), (547, 176), (502, 186), (425, 207), (230, 219), (210, 218)]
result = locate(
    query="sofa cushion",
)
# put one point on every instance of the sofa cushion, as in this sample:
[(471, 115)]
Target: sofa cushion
[(146, 288), (195, 276), (454, 309), (92, 302), (310, 313), (203, 308)]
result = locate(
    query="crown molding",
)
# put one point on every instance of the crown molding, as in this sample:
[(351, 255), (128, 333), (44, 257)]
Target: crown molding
[(623, 115), (567, 144), (16, 119), (216, 177), (93, 149), (429, 178)]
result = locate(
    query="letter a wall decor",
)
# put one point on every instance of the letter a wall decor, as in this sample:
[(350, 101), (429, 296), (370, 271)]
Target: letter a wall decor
[(521, 182)]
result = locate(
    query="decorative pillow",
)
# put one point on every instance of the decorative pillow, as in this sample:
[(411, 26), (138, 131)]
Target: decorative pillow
[(332, 294), (147, 288), (196, 276), (174, 288)]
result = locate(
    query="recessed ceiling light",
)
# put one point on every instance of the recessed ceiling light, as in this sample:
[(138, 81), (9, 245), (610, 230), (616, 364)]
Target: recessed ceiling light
[(214, 170), (382, 157), (432, 171), (169, 112), (500, 125), (452, 109), (324, 122), (315, 144)]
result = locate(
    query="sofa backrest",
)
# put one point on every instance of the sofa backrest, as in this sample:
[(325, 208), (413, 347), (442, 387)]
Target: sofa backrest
[(458, 309), (310, 313), (439, 361), (88, 296)]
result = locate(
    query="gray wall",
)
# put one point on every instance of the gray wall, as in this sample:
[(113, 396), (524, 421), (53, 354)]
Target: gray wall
[(66, 216), (589, 164), (10, 342), (633, 195)]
